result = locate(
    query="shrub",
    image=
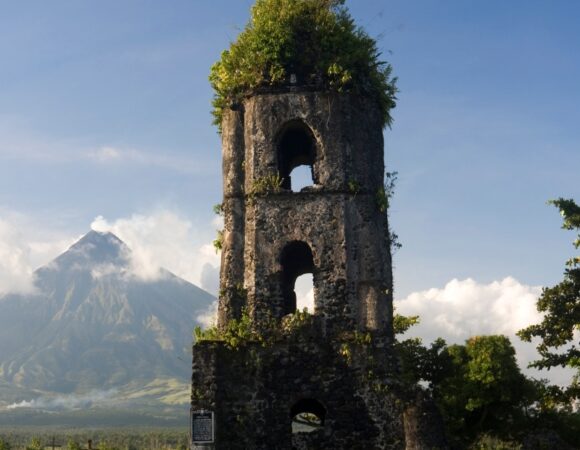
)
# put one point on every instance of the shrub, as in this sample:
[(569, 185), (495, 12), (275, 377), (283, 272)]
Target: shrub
[(34, 444), (218, 242), (315, 41)]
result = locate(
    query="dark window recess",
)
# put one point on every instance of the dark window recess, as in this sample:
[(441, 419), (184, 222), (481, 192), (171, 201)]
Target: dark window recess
[(296, 147)]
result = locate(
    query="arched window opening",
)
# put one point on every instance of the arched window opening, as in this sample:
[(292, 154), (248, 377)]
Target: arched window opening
[(304, 288), (296, 148), (307, 415), (296, 260)]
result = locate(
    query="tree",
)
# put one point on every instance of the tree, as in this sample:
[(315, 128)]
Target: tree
[(106, 446), (4, 445), (419, 363), (34, 444), (483, 390), (561, 306), (72, 445), (484, 399)]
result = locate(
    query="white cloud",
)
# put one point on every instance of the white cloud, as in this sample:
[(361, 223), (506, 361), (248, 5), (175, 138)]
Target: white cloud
[(218, 222), (66, 402), (208, 318), (23, 248), (106, 154), (304, 292), (15, 268), (210, 278), (165, 239), (161, 239), (104, 270), (465, 308), (114, 155)]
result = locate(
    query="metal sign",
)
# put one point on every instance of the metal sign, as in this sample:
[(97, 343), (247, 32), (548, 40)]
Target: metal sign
[(202, 427)]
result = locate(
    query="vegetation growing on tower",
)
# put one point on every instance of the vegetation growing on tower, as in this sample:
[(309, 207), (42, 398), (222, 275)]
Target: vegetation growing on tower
[(317, 41)]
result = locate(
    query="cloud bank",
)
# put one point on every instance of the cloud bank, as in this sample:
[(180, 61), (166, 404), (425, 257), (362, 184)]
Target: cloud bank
[(65, 402), (15, 269), (22, 250), (465, 308), (165, 239), (208, 318), (162, 239)]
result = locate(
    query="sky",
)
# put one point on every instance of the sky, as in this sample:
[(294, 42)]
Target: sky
[(105, 123)]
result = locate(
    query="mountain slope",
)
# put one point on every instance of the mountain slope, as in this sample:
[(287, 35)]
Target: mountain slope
[(93, 325)]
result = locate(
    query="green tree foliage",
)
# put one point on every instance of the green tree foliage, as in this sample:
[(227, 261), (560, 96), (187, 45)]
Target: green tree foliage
[(236, 332), (478, 386), (72, 445), (490, 442), (125, 438), (561, 307), (4, 445), (401, 324), (484, 390), (485, 401), (419, 363), (34, 444), (315, 40), (106, 446), (218, 242), (239, 332)]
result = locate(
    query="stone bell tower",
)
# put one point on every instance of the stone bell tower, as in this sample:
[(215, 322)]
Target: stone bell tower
[(335, 229), (323, 380)]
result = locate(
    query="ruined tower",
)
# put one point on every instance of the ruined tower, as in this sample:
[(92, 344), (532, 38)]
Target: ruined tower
[(336, 364), (335, 229), (275, 377)]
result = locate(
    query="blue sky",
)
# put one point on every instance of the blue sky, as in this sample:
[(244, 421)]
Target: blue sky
[(104, 113)]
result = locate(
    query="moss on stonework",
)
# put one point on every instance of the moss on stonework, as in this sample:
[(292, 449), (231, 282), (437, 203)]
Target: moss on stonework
[(238, 291), (302, 42), (239, 332), (269, 184)]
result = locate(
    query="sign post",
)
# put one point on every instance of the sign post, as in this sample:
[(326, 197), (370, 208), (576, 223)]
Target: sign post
[(202, 427)]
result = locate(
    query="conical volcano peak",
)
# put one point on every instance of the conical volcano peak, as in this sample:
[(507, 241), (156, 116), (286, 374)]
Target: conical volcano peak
[(99, 239), (95, 247)]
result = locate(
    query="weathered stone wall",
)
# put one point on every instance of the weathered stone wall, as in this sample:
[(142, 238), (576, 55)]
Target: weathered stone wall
[(254, 412), (232, 258), (337, 217), (347, 129)]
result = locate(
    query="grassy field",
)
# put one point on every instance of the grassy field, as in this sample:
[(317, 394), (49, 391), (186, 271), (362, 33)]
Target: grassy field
[(102, 439)]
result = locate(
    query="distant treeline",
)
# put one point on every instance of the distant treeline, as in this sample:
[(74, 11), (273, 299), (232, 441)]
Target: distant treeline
[(77, 439)]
